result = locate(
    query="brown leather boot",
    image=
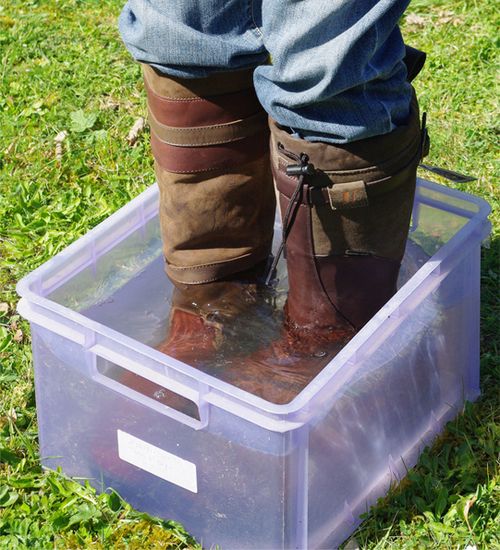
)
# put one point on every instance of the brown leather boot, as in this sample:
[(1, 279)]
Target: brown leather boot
[(346, 212), (194, 336), (202, 316), (209, 137), (204, 326)]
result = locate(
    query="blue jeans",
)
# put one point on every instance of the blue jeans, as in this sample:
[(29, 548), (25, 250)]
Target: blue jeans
[(331, 70)]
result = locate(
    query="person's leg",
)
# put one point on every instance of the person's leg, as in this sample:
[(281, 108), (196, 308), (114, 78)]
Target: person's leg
[(209, 133), (346, 142), (210, 141)]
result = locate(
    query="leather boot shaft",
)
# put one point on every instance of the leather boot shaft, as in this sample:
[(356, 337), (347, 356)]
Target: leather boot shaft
[(209, 138), (351, 215)]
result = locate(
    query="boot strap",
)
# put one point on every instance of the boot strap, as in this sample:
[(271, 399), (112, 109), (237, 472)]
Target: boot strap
[(214, 134), (342, 195), (354, 194), (347, 195), (205, 125)]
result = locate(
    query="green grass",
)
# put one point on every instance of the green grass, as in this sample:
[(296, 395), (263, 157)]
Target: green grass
[(63, 68)]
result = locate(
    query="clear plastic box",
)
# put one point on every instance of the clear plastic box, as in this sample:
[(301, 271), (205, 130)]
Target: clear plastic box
[(243, 472)]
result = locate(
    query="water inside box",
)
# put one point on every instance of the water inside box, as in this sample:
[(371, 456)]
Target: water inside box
[(235, 334)]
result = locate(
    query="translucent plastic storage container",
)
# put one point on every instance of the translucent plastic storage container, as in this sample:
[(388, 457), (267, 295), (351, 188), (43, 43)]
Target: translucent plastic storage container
[(243, 472)]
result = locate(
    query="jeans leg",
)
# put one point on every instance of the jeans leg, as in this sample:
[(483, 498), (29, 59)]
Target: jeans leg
[(337, 73), (192, 38)]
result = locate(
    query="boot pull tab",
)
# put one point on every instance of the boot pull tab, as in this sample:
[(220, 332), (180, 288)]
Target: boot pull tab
[(456, 177), (414, 60), (450, 175), (425, 142), (300, 170)]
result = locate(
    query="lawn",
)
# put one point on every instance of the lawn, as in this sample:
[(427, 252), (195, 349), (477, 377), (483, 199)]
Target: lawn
[(64, 69)]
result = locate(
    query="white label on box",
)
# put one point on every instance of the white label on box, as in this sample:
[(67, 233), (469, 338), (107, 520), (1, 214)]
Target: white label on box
[(156, 461)]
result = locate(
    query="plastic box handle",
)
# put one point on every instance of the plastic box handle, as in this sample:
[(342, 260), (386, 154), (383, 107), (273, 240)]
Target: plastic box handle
[(165, 382)]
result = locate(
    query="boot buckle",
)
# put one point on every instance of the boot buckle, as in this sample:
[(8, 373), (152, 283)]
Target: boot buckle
[(343, 196)]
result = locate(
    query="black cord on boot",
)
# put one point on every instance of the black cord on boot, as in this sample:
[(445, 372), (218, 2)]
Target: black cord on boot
[(302, 169)]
